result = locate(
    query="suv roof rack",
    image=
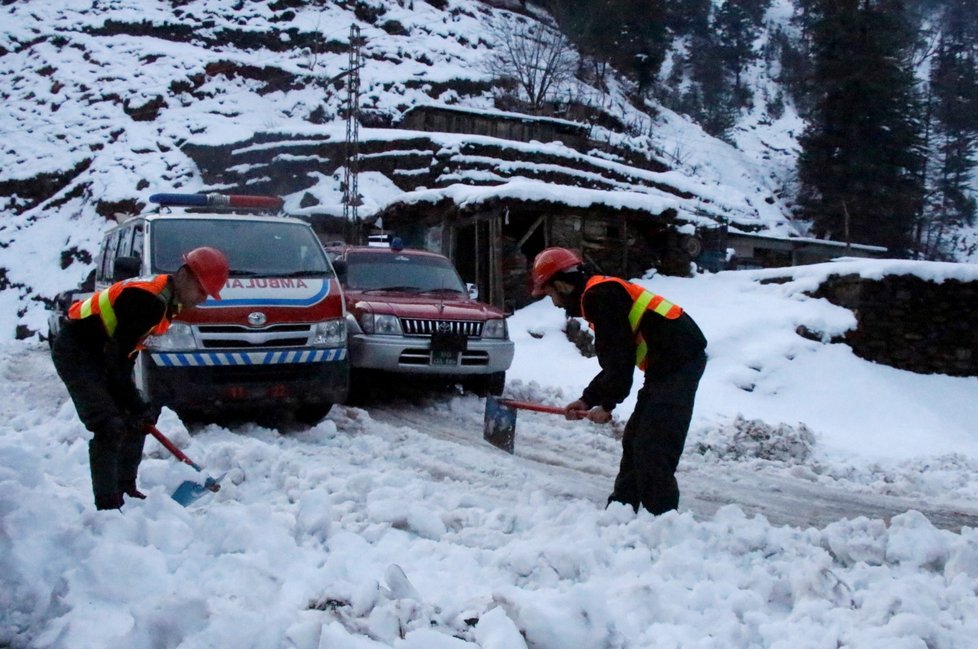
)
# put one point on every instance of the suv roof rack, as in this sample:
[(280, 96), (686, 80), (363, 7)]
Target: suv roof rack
[(219, 201)]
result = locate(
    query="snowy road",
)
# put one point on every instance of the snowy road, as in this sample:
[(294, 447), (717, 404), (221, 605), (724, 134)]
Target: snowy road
[(564, 460), (579, 460), (395, 524)]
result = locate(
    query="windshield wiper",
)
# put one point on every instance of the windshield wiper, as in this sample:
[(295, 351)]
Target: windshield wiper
[(443, 290), (302, 273), (275, 273), (408, 289)]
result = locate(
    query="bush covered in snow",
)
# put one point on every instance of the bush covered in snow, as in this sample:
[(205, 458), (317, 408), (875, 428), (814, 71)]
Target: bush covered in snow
[(744, 439)]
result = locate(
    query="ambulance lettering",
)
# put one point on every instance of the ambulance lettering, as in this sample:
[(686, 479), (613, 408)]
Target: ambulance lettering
[(274, 282), (271, 291)]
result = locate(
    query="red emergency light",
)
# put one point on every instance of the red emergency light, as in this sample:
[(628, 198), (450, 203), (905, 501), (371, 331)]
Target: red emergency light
[(218, 200)]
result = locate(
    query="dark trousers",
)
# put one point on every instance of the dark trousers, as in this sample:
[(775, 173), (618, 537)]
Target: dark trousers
[(116, 447), (654, 439)]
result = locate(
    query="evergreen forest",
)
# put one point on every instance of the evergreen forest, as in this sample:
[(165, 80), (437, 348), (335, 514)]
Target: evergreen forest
[(888, 90)]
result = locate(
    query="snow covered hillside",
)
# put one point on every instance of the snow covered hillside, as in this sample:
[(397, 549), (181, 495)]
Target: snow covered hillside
[(99, 99)]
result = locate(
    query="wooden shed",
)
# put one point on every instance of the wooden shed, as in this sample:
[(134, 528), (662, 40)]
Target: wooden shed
[(493, 238)]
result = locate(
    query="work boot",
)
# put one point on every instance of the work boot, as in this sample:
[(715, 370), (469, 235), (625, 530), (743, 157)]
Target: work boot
[(131, 491), (108, 501)]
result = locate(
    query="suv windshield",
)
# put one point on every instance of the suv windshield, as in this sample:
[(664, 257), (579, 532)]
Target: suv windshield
[(258, 248), (371, 272)]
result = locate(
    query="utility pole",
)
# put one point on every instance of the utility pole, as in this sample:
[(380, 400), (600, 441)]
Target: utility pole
[(351, 191)]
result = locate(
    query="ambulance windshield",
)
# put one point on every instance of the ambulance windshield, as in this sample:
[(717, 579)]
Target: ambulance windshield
[(253, 248)]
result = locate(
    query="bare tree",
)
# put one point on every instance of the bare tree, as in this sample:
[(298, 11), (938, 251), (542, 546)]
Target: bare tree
[(536, 56)]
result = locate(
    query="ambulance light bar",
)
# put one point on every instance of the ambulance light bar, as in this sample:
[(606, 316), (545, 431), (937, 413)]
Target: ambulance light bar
[(217, 200)]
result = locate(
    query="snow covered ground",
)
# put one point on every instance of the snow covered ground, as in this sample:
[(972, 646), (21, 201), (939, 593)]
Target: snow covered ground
[(827, 502)]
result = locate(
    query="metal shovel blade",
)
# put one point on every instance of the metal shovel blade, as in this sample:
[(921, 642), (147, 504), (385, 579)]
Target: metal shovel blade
[(500, 424), (189, 491)]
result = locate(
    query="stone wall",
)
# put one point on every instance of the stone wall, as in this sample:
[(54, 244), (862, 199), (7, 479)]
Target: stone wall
[(910, 323)]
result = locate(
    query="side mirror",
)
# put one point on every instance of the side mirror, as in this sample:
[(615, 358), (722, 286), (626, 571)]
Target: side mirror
[(473, 291), (125, 267), (339, 265)]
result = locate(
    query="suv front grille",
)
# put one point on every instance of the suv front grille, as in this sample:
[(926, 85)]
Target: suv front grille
[(241, 337), (421, 327)]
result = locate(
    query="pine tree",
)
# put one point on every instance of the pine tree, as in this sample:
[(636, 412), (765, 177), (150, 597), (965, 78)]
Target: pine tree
[(954, 112), (860, 167)]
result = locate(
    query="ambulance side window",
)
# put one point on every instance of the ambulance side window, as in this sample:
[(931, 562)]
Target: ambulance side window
[(125, 243), (137, 241), (108, 256)]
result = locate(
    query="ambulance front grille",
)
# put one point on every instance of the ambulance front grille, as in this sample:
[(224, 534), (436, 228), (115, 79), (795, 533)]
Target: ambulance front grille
[(229, 336)]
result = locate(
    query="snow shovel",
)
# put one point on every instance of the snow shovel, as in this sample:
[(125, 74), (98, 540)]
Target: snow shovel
[(500, 420), (188, 491)]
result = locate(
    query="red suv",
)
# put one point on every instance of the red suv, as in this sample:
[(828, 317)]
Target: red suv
[(409, 312)]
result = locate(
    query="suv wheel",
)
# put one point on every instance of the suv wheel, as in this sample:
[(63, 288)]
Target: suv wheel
[(486, 384)]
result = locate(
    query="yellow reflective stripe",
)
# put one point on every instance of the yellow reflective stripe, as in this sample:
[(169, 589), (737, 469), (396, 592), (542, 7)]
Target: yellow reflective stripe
[(638, 309), (665, 308), (86, 307), (641, 351), (635, 319), (107, 312)]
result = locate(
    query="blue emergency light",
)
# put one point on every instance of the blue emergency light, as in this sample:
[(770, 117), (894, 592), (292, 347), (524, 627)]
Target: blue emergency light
[(217, 200)]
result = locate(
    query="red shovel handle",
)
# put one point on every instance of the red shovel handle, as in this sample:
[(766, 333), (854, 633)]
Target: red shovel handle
[(155, 432), (525, 405)]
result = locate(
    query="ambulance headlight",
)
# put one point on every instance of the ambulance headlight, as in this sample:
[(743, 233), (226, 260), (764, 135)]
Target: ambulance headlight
[(329, 333), (180, 335)]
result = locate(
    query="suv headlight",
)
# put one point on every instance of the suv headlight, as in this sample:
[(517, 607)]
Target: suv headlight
[(329, 333), (494, 328), (180, 335), (387, 325)]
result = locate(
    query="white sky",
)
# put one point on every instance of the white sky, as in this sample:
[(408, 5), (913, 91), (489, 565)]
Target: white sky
[(398, 526)]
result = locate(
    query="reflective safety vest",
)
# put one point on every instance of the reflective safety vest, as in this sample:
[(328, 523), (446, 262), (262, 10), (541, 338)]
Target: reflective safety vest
[(101, 303), (642, 301)]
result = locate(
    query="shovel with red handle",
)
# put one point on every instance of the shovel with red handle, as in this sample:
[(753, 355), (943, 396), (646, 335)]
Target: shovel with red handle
[(188, 491), (500, 420)]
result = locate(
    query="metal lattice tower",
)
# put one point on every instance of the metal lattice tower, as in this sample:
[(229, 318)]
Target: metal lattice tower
[(351, 192)]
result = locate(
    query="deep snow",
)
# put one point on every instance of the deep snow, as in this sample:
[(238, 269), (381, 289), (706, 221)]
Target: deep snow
[(395, 525), (827, 501)]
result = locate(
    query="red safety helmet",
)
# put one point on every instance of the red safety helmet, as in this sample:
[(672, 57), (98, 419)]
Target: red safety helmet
[(548, 263), (210, 267)]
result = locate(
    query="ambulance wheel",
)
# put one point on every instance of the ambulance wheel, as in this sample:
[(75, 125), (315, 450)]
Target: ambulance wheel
[(312, 413)]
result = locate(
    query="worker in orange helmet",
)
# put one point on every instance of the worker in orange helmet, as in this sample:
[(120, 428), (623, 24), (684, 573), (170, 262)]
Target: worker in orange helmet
[(96, 349), (632, 327)]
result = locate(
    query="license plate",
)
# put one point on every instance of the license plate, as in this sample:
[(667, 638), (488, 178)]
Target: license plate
[(444, 357)]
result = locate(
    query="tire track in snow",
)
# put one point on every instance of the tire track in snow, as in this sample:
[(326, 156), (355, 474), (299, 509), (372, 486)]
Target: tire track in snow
[(582, 463)]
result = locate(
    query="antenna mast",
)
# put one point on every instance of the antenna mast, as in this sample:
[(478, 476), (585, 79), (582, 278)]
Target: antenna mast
[(351, 191)]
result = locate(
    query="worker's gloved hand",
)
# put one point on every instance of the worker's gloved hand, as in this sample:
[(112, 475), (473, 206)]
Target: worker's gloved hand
[(145, 415), (599, 415), (576, 410)]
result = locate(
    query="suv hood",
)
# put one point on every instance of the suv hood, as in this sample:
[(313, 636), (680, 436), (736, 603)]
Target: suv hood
[(441, 307)]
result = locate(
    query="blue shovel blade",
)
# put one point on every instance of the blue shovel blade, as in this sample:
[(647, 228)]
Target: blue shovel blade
[(500, 425), (190, 491)]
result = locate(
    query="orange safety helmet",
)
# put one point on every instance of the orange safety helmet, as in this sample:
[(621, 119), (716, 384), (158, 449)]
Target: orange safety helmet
[(210, 267), (548, 263)]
